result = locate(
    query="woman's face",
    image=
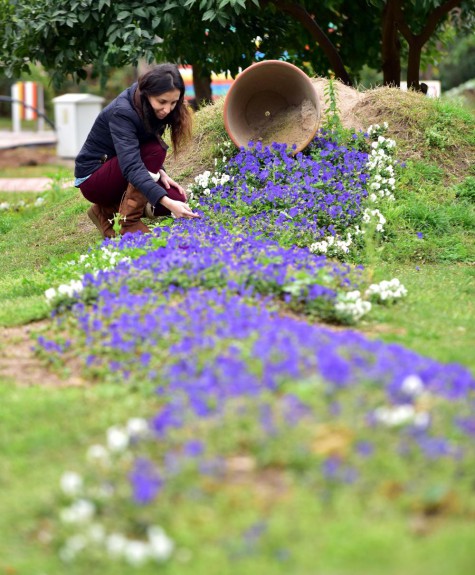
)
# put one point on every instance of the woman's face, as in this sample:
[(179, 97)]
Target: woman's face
[(164, 103)]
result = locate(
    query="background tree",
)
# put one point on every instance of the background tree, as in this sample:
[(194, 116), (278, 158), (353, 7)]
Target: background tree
[(458, 64), (417, 23), (338, 36)]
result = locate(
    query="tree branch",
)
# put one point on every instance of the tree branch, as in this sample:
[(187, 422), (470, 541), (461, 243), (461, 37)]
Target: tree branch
[(298, 12), (435, 17), (431, 23)]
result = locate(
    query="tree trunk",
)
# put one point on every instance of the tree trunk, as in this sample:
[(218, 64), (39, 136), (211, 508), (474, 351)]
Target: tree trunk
[(416, 42), (300, 13), (390, 46), (414, 64), (202, 86)]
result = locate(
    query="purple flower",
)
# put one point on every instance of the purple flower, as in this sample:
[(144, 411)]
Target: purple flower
[(193, 448), (145, 480)]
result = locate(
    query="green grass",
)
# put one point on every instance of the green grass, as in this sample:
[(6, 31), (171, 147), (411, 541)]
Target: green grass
[(30, 241), (42, 432), (40, 171), (437, 317), (45, 430)]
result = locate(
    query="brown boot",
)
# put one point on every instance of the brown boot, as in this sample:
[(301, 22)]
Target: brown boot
[(131, 210), (103, 218)]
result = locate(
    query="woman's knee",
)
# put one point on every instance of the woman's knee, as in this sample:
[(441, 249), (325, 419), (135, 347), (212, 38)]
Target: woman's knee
[(153, 156), (174, 194)]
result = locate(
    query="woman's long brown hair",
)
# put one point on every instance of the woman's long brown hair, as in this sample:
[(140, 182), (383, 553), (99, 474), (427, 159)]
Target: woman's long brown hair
[(163, 78)]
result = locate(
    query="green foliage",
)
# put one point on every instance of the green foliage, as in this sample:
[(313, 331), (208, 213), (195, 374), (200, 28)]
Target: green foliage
[(465, 191), (430, 223), (458, 64), (70, 36), (332, 122)]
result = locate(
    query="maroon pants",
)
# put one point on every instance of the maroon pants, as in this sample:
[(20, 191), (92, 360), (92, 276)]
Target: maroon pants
[(107, 185)]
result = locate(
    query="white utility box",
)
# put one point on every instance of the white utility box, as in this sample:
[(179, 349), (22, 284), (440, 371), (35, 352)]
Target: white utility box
[(74, 116)]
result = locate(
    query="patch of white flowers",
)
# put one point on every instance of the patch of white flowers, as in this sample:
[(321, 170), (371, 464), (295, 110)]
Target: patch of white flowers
[(381, 164), (205, 181), (407, 413), (351, 307), (386, 291), (332, 246), (374, 217), (399, 415), (157, 546), (104, 259), (5, 206), (82, 515), (70, 290)]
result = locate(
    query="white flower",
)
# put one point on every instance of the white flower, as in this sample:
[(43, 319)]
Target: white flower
[(387, 290), (81, 511), (117, 439), (161, 546), (96, 533), (319, 247), (73, 288), (64, 289), (39, 201), (72, 547), (97, 453), (50, 294), (394, 416), (136, 552), (137, 426), (412, 385), (115, 545), (351, 306), (71, 483)]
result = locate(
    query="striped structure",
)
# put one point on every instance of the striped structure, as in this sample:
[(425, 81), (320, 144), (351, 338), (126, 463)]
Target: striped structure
[(219, 83), (31, 96)]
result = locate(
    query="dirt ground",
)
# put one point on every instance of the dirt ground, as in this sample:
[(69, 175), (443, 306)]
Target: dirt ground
[(31, 156), (19, 364)]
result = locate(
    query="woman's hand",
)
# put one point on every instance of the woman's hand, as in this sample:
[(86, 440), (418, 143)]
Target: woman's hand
[(167, 182), (178, 209)]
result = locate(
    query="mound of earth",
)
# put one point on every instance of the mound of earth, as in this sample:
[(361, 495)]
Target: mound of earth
[(348, 99)]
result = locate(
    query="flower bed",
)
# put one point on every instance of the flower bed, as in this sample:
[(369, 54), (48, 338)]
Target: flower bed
[(215, 320)]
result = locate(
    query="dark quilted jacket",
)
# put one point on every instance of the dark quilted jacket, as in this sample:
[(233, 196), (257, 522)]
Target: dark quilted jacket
[(119, 131)]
